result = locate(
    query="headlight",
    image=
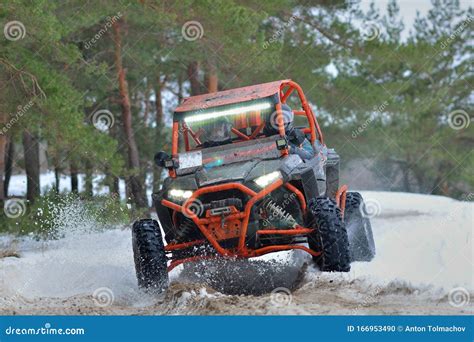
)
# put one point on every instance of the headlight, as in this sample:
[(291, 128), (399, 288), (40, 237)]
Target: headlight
[(267, 179), (180, 194)]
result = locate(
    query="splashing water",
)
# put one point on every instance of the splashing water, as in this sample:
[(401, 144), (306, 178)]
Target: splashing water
[(85, 257)]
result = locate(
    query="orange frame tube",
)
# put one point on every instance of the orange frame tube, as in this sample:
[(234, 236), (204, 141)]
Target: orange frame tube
[(240, 134), (341, 198), (241, 247), (287, 94), (296, 231), (176, 246), (298, 193), (174, 145), (313, 122), (175, 263), (188, 131)]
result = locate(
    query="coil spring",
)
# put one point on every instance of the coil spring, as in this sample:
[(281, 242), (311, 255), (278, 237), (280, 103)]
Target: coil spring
[(279, 213), (185, 229)]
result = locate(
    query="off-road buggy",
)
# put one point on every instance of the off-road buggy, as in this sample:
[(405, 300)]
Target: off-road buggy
[(248, 176)]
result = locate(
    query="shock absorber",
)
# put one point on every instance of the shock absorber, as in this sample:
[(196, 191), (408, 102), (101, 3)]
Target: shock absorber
[(278, 213), (185, 229)]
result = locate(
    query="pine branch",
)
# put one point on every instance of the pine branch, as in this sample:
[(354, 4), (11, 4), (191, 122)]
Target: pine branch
[(20, 74)]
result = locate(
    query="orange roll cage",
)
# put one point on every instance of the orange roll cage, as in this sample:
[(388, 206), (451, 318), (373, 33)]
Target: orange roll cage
[(240, 219)]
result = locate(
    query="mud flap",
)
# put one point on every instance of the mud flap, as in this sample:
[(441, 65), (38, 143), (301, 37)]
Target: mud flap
[(332, 174)]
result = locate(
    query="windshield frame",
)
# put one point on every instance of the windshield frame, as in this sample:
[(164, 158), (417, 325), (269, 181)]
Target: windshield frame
[(190, 121)]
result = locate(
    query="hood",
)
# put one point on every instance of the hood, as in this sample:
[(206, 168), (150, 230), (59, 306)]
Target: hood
[(229, 155), (235, 172), (242, 171)]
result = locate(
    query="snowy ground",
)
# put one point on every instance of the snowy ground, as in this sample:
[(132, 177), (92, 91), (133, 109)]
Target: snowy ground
[(424, 265)]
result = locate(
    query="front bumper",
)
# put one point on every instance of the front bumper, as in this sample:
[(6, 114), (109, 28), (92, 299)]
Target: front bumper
[(209, 225)]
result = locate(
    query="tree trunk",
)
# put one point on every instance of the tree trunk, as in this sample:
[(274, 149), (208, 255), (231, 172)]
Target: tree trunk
[(3, 139), (8, 165), (3, 142), (420, 179), (440, 184), (112, 181), (74, 179), (211, 79), (159, 104), (193, 76), (404, 166), (180, 87), (88, 180), (57, 170), (137, 189), (147, 103), (159, 126), (406, 179), (115, 186), (57, 177), (32, 165)]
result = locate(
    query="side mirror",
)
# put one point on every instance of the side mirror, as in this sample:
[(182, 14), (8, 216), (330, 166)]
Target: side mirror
[(161, 157)]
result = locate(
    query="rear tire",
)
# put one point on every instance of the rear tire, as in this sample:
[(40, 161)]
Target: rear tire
[(149, 255), (359, 229), (329, 237)]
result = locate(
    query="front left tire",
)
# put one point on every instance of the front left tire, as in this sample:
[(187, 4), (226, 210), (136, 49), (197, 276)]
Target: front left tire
[(149, 256), (329, 237)]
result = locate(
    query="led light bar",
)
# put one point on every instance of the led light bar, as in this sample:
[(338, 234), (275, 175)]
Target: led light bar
[(228, 112)]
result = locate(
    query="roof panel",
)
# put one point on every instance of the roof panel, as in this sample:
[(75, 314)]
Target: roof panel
[(230, 96)]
